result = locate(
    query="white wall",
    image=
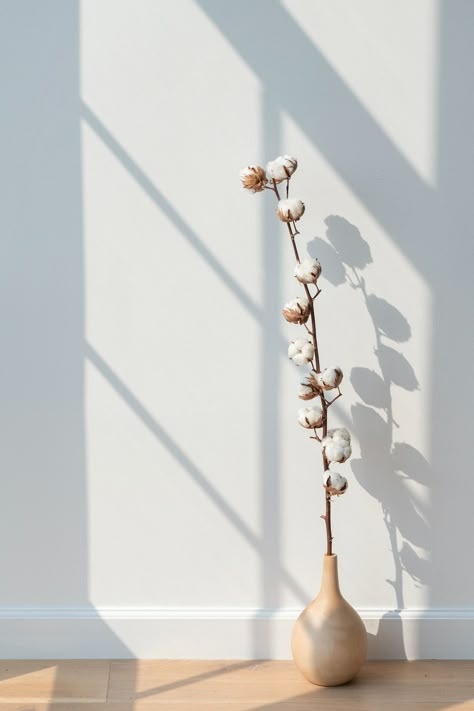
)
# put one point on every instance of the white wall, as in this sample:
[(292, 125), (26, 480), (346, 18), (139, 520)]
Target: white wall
[(159, 498)]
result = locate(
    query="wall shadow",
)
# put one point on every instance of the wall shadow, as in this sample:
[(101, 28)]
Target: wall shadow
[(269, 401), (43, 316), (42, 285), (385, 465), (451, 406), (43, 514), (42, 309), (188, 466), (432, 224)]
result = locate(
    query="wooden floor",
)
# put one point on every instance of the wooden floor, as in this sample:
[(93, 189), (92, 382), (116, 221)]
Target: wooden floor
[(231, 686)]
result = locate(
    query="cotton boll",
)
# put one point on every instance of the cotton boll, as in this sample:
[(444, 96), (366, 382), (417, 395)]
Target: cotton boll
[(290, 210), (309, 389), (335, 483), (325, 441), (339, 433), (311, 417), (337, 451), (306, 392), (297, 311), (281, 168), (330, 378), (341, 437), (301, 351), (337, 445), (253, 178), (308, 271)]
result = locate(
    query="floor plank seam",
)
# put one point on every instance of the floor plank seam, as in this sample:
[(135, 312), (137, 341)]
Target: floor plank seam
[(108, 682)]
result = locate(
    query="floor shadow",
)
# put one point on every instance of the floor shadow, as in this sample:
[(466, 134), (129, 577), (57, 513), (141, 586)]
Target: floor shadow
[(144, 695), (391, 694)]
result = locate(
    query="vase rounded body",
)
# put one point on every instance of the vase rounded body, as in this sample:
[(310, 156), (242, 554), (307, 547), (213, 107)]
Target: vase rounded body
[(329, 641)]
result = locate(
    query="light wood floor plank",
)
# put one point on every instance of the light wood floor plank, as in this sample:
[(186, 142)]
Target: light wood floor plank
[(208, 682), (165, 685), (42, 681), (280, 682), (230, 706)]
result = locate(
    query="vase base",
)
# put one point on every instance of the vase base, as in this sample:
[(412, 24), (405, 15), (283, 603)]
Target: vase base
[(329, 641)]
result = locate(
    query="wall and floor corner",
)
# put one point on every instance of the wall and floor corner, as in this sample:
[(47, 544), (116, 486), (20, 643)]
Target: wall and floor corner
[(158, 498)]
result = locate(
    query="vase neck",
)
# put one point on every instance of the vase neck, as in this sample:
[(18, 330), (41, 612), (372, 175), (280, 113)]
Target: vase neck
[(330, 578)]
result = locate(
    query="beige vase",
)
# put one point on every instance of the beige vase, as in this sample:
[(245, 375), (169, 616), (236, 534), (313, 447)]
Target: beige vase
[(329, 641)]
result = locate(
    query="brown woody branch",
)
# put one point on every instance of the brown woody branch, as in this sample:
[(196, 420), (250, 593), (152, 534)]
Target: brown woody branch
[(317, 368)]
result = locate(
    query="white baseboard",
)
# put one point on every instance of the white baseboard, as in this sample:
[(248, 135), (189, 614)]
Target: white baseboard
[(217, 633)]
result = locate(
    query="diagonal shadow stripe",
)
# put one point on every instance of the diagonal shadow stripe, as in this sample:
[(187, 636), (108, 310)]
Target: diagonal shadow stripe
[(187, 464), (307, 87), (167, 208), (163, 204), (195, 679)]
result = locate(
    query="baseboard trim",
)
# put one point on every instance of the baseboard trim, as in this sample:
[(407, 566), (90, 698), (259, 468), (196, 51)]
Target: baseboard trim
[(218, 633)]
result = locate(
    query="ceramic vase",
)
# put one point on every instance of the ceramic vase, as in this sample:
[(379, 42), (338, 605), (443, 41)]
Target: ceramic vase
[(329, 641)]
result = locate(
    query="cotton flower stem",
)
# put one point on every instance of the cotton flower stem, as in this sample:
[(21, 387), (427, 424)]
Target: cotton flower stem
[(295, 249), (317, 368), (311, 307), (327, 519), (275, 190), (277, 193), (330, 402)]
